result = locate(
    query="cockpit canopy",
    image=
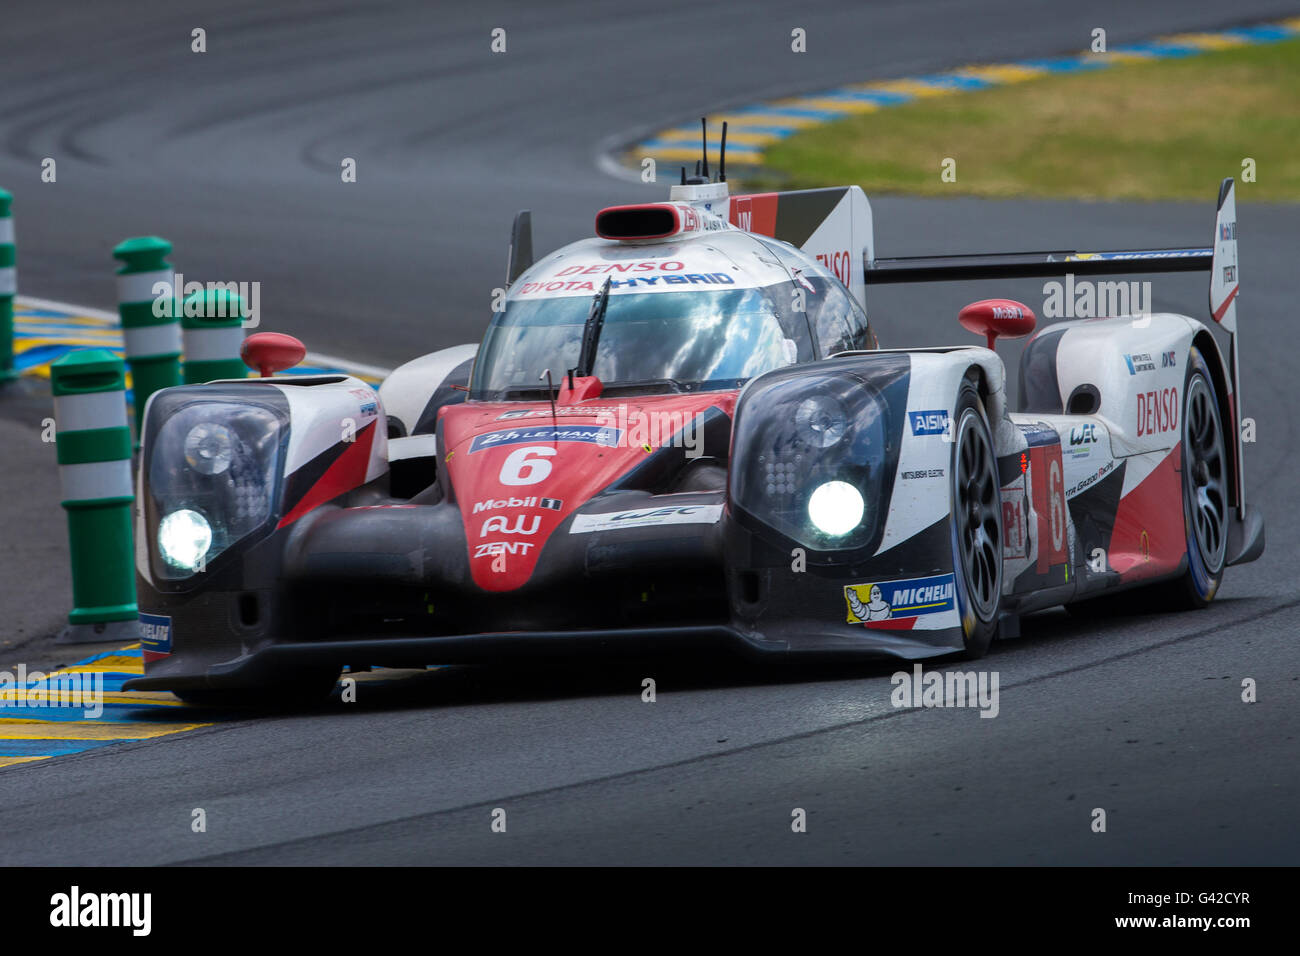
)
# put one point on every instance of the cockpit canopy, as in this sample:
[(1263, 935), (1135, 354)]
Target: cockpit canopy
[(668, 326)]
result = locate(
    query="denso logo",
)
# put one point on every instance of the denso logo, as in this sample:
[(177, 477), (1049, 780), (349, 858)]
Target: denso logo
[(665, 265), (838, 263), (1157, 411)]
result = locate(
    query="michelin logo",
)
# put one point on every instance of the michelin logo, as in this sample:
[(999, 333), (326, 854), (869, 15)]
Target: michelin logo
[(893, 600), (156, 633)]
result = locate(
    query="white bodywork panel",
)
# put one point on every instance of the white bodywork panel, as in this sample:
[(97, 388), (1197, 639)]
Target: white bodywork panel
[(408, 388)]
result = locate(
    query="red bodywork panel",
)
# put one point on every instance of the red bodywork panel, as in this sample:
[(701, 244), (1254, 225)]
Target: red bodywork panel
[(1151, 534), (517, 474)]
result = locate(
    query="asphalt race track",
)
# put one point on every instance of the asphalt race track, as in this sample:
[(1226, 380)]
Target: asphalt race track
[(234, 156)]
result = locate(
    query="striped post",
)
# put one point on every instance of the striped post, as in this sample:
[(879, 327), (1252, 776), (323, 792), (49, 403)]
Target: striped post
[(212, 324), (8, 288), (93, 444), (153, 340)]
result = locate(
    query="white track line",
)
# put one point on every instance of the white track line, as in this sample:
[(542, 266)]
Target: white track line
[(313, 358)]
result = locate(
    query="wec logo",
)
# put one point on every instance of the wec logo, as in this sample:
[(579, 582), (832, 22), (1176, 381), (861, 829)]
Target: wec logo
[(1083, 434)]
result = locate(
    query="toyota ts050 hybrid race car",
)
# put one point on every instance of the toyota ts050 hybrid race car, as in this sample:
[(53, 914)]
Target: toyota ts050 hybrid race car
[(683, 432)]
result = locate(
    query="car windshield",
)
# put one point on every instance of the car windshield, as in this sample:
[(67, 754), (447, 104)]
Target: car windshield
[(674, 341)]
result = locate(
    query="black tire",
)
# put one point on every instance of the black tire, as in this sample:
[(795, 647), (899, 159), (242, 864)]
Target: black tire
[(1206, 479), (977, 533), (302, 689)]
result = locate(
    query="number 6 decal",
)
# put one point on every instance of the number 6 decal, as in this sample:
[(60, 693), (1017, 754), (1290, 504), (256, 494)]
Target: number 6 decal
[(1056, 504), (522, 467), (1048, 491)]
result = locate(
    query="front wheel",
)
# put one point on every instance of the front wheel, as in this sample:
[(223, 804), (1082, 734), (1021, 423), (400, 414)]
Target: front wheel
[(976, 522)]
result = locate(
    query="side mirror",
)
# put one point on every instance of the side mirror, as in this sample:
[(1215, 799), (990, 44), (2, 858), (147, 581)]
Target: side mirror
[(269, 352), (996, 318)]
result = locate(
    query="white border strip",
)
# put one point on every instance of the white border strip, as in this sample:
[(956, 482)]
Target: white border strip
[(313, 358)]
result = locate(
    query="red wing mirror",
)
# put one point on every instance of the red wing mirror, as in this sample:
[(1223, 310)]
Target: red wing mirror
[(269, 352), (994, 318)]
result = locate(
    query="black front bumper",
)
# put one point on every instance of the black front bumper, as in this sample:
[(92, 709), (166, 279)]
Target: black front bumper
[(273, 660)]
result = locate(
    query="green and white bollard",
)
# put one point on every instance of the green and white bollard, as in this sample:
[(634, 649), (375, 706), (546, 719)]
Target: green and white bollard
[(153, 341), (212, 323), (93, 443), (8, 288)]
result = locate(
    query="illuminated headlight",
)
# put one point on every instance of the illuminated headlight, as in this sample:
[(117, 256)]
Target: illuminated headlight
[(209, 448), (211, 474), (184, 538), (836, 508), (813, 452)]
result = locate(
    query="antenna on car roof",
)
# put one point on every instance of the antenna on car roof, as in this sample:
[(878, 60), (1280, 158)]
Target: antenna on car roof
[(722, 155), (704, 142), (683, 175)]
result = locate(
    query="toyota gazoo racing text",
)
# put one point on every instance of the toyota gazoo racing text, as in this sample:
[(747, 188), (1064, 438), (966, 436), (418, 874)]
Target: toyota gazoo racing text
[(683, 432)]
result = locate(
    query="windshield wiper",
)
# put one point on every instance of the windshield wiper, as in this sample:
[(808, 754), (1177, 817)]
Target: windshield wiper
[(591, 331)]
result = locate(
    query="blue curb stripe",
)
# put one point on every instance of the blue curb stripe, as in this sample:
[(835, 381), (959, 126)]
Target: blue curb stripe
[(50, 748), (106, 334), (880, 97)]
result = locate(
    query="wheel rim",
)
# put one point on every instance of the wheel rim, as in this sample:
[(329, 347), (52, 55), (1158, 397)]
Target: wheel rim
[(977, 509), (1205, 473)]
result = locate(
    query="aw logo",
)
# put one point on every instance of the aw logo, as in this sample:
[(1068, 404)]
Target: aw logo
[(899, 604), (501, 523)]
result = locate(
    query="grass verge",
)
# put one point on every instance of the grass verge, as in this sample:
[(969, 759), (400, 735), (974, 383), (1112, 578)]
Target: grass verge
[(1158, 130)]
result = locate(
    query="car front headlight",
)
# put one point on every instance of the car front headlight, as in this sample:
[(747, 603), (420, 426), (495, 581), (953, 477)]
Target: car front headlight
[(813, 453), (835, 508), (211, 477), (822, 420), (184, 538)]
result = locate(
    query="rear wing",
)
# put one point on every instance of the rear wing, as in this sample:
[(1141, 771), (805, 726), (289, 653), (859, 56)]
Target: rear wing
[(831, 225), (1032, 265), (1219, 259)]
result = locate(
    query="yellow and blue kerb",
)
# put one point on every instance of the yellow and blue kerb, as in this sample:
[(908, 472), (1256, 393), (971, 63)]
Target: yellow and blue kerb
[(751, 129)]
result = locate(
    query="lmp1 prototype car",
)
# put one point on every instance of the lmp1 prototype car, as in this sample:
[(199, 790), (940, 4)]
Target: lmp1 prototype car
[(683, 432)]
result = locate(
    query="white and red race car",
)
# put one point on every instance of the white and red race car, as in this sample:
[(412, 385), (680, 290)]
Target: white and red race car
[(683, 432)]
